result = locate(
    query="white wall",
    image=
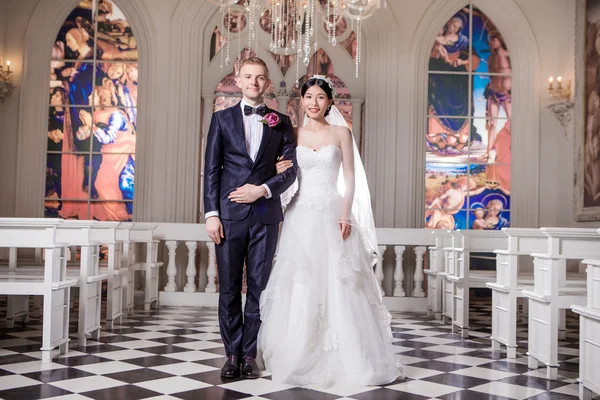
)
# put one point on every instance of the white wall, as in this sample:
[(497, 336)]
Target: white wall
[(169, 145), (15, 16)]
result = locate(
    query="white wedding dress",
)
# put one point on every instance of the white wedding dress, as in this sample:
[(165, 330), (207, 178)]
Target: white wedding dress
[(323, 320)]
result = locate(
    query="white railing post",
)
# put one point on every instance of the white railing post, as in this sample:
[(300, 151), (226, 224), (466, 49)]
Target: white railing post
[(418, 276), (171, 268), (211, 271), (399, 272), (190, 287)]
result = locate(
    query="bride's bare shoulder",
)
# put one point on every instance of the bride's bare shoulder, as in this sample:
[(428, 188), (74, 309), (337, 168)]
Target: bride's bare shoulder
[(341, 130)]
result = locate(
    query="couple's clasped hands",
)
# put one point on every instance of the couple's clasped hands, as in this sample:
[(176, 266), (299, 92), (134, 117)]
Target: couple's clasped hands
[(245, 194), (250, 193)]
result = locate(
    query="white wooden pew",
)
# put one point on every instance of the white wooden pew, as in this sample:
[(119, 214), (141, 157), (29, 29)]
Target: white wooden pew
[(449, 268), (589, 333), (83, 235), (463, 278), (511, 281), (546, 299), (127, 269), (106, 234), (508, 286), (142, 233), (435, 289), (53, 285)]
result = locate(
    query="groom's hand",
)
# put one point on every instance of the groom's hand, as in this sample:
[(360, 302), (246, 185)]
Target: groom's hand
[(214, 228), (247, 193)]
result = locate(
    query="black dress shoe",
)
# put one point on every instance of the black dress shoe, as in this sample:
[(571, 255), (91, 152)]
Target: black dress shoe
[(249, 368), (231, 369)]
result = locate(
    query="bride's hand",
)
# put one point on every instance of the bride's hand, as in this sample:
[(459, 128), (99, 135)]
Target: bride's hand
[(345, 228), (282, 165)]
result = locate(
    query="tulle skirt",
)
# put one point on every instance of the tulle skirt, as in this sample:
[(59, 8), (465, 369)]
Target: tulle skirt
[(323, 320)]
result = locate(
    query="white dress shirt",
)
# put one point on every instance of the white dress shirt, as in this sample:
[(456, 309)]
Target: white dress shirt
[(253, 131)]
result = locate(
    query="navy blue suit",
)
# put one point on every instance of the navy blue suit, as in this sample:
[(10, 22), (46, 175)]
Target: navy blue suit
[(250, 230)]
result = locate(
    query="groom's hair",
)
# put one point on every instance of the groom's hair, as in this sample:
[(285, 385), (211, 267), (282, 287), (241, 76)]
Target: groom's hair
[(255, 61)]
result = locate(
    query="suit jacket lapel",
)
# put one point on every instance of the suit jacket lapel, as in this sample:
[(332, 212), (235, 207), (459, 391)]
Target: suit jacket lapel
[(238, 128), (266, 136)]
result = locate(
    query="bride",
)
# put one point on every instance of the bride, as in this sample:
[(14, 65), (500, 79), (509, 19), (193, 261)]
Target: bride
[(323, 320)]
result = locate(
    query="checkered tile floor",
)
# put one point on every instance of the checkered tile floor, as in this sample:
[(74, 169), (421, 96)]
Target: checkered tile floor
[(177, 353)]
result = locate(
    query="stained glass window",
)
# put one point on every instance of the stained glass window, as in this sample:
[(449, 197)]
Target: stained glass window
[(468, 138), (92, 117)]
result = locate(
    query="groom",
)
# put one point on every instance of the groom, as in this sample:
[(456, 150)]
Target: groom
[(243, 211)]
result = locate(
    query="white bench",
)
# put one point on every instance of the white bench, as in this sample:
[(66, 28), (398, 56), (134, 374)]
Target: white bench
[(53, 285), (142, 233), (83, 235), (127, 269), (463, 278), (435, 292), (511, 281), (548, 296), (449, 268), (589, 337)]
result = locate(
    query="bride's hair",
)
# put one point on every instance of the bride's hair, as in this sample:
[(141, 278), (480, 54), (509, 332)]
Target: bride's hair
[(323, 84)]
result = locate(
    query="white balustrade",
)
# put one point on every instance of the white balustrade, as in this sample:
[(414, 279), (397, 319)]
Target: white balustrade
[(193, 281)]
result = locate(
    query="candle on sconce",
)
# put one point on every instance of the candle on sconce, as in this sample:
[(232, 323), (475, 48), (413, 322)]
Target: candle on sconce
[(559, 80), (8, 65), (550, 82)]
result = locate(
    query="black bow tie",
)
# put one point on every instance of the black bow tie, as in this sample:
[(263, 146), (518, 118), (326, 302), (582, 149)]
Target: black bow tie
[(259, 110)]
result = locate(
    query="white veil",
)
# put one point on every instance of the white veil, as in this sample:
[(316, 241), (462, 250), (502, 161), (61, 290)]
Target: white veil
[(362, 213)]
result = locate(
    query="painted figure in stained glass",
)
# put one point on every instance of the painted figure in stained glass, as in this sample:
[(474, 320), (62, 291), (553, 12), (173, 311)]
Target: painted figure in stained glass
[(449, 93)]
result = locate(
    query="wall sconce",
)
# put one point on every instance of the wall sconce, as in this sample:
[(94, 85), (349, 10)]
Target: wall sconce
[(560, 100), (6, 86)]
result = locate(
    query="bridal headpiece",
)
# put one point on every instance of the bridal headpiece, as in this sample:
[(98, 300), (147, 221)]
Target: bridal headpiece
[(327, 80)]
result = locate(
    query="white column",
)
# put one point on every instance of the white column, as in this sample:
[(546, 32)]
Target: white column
[(399, 272), (209, 105), (190, 271), (419, 277), (171, 267), (211, 271), (282, 102), (357, 120), (379, 268)]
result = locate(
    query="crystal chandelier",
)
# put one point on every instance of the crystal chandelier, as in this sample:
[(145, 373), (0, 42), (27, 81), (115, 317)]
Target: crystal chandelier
[(293, 23)]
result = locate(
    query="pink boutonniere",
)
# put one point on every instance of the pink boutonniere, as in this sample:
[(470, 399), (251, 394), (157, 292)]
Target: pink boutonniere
[(271, 119)]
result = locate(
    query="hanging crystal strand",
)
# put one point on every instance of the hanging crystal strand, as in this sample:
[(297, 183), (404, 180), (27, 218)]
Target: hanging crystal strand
[(256, 18), (282, 22), (358, 40), (221, 50), (239, 38), (300, 14), (329, 5), (250, 24), (312, 18), (294, 32), (271, 46), (335, 17), (306, 37), (227, 59)]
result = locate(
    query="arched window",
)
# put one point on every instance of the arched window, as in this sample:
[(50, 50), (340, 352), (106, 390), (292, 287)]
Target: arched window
[(92, 116), (468, 138)]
